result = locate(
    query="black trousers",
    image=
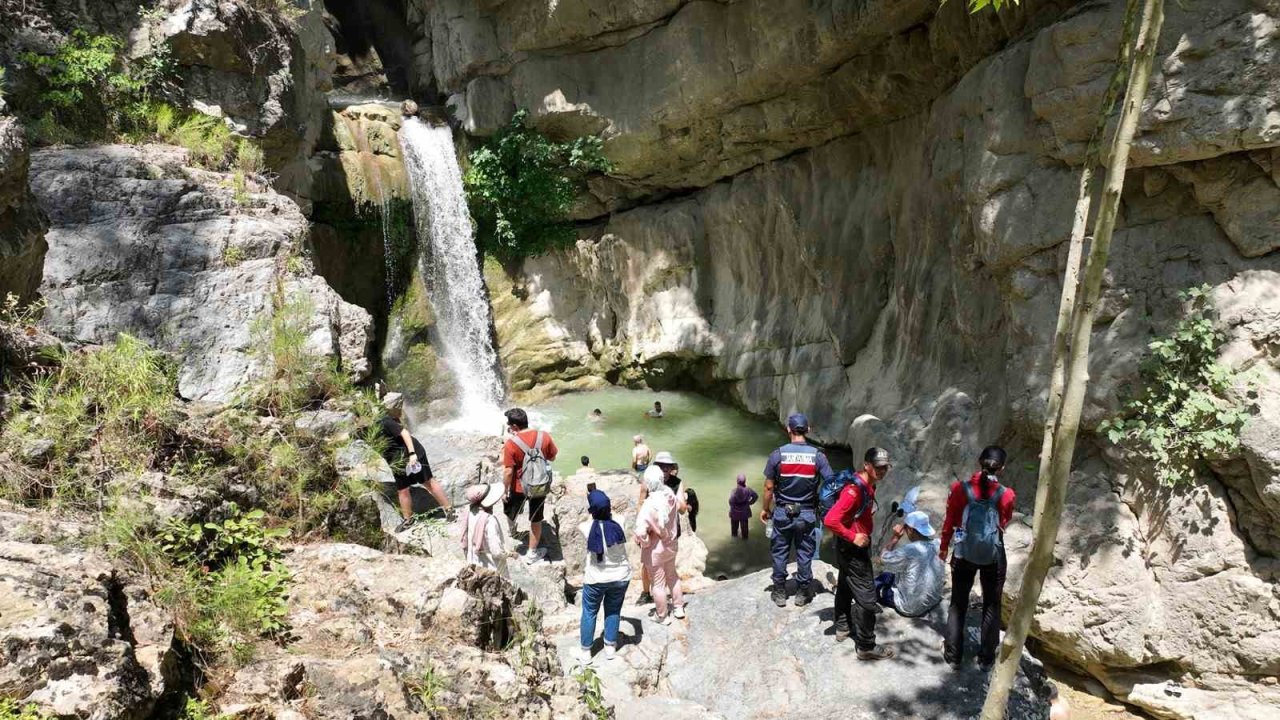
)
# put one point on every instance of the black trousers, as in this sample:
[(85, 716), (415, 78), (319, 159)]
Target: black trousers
[(856, 606), (991, 578)]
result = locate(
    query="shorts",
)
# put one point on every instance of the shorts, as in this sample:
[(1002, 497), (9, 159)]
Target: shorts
[(422, 477), (516, 501), (640, 467)]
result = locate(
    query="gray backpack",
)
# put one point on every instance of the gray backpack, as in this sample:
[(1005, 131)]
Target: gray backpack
[(982, 538), (535, 472)]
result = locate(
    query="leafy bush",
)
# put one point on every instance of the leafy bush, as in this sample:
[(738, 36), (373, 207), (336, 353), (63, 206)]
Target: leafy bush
[(11, 710), (592, 694), (89, 90), (1189, 409), (207, 139), (101, 411), (521, 185)]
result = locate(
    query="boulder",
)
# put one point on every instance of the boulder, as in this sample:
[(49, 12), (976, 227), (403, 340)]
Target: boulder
[(142, 244), (79, 640), (369, 631)]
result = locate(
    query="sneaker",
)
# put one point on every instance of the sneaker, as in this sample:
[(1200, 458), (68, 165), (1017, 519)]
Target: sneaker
[(841, 635), (535, 555), (644, 599), (610, 652), (878, 652), (779, 597), (582, 656), (679, 613), (406, 524), (804, 596), (664, 620)]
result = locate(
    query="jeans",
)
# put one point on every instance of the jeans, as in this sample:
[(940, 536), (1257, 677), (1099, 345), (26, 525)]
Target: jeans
[(736, 525), (856, 595), (593, 596), (884, 588), (991, 578), (794, 532)]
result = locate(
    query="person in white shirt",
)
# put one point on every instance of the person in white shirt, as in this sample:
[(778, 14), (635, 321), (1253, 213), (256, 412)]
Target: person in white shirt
[(479, 532), (912, 581), (605, 576)]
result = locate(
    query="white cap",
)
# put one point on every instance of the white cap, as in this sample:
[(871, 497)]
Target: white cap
[(919, 521), (664, 458)]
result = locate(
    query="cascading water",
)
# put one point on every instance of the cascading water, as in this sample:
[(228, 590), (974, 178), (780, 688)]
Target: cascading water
[(447, 257)]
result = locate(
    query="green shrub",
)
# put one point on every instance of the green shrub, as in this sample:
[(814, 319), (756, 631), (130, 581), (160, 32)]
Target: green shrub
[(195, 709), (89, 90), (207, 139), (1189, 408), (11, 710), (249, 158), (592, 694), (426, 687), (103, 411), (521, 186)]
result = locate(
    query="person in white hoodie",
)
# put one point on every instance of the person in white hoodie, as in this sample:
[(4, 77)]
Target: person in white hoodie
[(479, 532), (605, 575)]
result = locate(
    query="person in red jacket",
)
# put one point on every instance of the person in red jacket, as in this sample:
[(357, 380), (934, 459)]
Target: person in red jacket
[(984, 486), (851, 520)]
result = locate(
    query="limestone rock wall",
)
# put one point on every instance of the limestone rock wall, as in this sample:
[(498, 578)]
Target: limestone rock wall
[(881, 193), (140, 243)]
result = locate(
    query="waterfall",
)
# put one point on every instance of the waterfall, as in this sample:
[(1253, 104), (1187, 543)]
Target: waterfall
[(447, 258)]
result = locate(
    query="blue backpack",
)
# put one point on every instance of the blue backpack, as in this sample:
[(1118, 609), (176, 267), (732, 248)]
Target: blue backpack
[(830, 491), (980, 540)]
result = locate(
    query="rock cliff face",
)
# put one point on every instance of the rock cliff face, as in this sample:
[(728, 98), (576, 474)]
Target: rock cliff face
[(22, 225), (871, 204), (140, 243)]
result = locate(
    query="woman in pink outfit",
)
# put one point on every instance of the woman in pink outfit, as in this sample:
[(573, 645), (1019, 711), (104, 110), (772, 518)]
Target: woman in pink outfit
[(655, 531)]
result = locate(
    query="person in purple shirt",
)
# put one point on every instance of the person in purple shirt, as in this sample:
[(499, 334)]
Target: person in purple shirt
[(740, 502)]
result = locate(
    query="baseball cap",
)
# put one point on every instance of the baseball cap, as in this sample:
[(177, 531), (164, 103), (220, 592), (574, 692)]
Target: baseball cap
[(665, 458), (877, 456), (919, 521), (797, 421)]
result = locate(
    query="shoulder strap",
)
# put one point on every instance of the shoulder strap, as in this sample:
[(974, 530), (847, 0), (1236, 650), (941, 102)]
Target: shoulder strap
[(968, 491), (537, 441), (863, 494), (520, 443)]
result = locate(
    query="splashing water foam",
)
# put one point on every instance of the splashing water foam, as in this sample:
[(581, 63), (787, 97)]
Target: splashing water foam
[(447, 259)]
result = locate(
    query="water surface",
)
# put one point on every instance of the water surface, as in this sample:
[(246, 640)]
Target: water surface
[(711, 441)]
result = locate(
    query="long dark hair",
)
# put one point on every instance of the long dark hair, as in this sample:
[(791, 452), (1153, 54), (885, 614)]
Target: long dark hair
[(991, 461)]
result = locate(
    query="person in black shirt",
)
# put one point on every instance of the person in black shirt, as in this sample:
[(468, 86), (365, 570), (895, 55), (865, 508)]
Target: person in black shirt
[(691, 499), (407, 458)]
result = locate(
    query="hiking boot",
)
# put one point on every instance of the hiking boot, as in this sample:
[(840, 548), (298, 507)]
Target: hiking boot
[(779, 597), (644, 599), (878, 652), (804, 596), (841, 635)]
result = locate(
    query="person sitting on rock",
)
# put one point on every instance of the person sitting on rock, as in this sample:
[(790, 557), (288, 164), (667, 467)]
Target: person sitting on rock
[(408, 460), (912, 581), (640, 454), (605, 575), (479, 532), (655, 532), (740, 502)]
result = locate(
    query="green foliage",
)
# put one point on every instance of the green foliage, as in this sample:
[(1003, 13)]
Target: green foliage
[(196, 709), (13, 311), (521, 186), (90, 90), (207, 139), (11, 710), (592, 695), (249, 158), (2, 83), (1189, 409), (232, 255), (426, 687), (976, 6), (102, 411)]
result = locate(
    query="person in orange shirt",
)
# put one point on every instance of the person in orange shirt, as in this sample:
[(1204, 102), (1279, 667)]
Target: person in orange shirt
[(512, 466)]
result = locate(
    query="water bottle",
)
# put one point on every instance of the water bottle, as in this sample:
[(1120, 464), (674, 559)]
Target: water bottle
[(768, 529)]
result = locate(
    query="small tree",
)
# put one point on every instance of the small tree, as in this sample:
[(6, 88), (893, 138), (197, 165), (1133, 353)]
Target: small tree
[(521, 186)]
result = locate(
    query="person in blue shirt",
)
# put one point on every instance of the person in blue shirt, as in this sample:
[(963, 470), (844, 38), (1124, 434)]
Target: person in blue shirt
[(793, 475)]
